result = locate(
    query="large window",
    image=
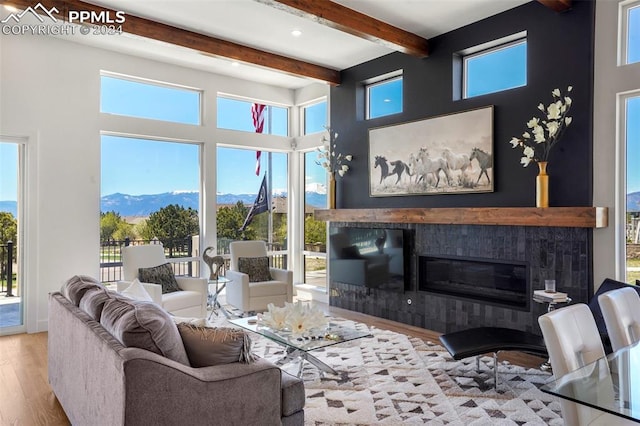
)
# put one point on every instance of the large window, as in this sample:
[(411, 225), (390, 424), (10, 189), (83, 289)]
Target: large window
[(495, 69), (235, 114), (238, 188), (630, 22), (632, 136), (384, 97), (315, 231), (126, 96), (150, 190)]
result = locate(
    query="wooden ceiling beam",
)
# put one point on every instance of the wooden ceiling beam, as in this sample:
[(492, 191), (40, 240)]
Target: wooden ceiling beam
[(342, 18), (557, 5), (203, 43)]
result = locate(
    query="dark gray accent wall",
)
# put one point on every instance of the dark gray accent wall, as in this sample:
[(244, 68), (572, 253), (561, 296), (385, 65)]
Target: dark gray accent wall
[(559, 53)]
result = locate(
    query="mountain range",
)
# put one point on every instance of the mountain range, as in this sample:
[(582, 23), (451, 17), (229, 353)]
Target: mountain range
[(143, 205)]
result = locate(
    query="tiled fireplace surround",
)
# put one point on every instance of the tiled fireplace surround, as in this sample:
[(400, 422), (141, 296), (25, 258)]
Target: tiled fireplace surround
[(559, 253)]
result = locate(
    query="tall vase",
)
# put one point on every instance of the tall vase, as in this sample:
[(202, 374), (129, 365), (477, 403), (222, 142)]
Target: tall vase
[(542, 185), (332, 191)]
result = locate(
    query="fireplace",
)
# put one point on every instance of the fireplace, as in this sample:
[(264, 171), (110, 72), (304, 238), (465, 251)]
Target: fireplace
[(500, 283)]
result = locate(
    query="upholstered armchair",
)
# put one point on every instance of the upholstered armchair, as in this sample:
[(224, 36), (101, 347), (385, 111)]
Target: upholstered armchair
[(191, 298), (253, 283), (621, 312), (572, 340)]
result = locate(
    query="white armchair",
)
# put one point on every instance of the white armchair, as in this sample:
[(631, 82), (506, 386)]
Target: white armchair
[(190, 302), (255, 296)]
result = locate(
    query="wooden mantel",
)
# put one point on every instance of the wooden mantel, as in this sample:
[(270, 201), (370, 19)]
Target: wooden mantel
[(576, 217)]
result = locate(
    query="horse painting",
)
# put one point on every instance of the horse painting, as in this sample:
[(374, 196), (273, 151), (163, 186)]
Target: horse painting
[(423, 165), (399, 167), (485, 161), (456, 161)]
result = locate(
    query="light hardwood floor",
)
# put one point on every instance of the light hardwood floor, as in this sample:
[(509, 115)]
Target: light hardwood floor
[(26, 398)]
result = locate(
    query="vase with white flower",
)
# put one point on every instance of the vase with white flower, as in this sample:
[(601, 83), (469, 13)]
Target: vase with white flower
[(544, 132), (332, 162)]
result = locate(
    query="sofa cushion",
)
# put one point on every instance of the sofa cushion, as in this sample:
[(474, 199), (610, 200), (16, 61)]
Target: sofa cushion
[(208, 346), (161, 274), (77, 286), (256, 267), (93, 302), (143, 325)]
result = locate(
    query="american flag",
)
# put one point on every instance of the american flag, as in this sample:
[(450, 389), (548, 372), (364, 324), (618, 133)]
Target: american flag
[(257, 114)]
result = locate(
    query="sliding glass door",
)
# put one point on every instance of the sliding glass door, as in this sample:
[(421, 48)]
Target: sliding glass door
[(11, 291)]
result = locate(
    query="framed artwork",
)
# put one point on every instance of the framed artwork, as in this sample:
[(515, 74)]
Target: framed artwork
[(447, 154)]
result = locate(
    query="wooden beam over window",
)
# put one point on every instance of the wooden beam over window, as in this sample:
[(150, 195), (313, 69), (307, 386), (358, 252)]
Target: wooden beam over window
[(206, 44), (336, 16), (557, 5)]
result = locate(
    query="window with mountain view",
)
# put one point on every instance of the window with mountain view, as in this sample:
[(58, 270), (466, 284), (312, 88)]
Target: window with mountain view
[(315, 231), (150, 190), (633, 188), (238, 188)]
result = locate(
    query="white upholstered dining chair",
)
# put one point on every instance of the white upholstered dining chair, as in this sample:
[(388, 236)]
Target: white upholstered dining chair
[(572, 340), (189, 301), (621, 313), (253, 283)]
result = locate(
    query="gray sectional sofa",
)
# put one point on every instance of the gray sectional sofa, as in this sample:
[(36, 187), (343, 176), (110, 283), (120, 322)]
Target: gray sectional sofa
[(99, 380)]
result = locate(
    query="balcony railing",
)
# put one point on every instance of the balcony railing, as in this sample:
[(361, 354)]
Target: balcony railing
[(6, 268), (182, 254)]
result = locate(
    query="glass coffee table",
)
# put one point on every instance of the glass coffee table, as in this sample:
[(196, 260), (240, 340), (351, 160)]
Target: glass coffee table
[(300, 347)]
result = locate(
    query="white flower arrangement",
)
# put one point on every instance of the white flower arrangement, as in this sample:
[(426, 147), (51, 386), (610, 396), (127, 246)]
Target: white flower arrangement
[(545, 132), (333, 163), (297, 318)]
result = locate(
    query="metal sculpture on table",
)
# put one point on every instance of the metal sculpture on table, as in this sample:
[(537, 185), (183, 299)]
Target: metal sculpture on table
[(216, 264)]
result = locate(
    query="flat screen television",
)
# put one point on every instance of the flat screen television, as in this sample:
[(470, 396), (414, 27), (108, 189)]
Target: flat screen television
[(371, 257)]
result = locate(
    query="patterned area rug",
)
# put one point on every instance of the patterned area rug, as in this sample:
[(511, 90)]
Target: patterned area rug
[(392, 379)]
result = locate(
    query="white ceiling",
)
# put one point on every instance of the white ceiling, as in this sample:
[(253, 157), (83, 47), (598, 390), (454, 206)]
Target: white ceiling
[(256, 25)]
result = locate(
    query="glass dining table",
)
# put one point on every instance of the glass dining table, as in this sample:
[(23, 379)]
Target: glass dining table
[(610, 384)]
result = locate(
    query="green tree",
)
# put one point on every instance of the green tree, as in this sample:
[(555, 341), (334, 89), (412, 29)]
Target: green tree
[(8, 232), (229, 221), (109, 222), (8, 228), (124, 230), (143, 231), (315, 231), (173, 224)]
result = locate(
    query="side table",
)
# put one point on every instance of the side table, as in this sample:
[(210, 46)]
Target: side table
[(212, 299), (551, 305)]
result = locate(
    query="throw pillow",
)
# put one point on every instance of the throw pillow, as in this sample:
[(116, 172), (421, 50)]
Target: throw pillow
[(256, 267), (143, 325), (136, 291), (207, 346), (161, 274), (77, 286)]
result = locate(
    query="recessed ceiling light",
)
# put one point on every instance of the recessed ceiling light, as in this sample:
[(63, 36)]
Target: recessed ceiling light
[(10, 8), (235, 64), (296, 33)]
